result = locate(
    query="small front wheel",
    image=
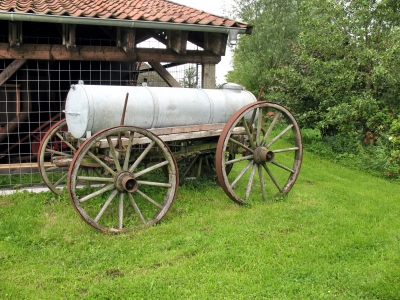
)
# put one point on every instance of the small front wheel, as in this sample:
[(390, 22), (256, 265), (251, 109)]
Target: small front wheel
[(121, 178)]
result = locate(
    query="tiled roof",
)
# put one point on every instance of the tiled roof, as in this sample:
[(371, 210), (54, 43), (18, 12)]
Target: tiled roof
[(145, 10)]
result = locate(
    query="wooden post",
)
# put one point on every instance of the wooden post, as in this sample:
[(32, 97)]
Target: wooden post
[(208, 76), (69, 35), (177, 41), (15, 34), (128, 39)]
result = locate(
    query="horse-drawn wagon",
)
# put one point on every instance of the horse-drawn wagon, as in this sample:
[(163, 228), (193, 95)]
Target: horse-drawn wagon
[(122, 161)]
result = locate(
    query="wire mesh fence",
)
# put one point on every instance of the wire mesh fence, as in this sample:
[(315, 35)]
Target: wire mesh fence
[(33, 99)]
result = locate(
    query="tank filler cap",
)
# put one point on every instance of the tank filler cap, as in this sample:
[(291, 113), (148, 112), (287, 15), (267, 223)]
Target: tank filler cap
[(232, 86), (81, 82)]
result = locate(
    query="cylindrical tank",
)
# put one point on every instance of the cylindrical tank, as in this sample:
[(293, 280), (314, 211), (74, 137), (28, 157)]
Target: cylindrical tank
[(91, 108)]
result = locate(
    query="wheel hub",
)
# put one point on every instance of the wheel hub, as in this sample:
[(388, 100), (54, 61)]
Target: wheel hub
[(262, 154), (125, 182)]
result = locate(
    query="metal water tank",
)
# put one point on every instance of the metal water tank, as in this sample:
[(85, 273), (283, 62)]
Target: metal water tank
[(91, 108)]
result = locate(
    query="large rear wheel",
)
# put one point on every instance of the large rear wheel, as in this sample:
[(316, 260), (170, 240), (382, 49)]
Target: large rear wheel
[(265, 142)]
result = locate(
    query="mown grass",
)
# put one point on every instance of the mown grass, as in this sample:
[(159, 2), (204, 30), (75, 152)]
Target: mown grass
[(336, 235)]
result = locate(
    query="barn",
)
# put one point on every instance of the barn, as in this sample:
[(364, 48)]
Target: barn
[(45, 47)]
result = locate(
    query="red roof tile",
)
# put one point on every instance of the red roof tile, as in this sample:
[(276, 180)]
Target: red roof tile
[(146, 10)]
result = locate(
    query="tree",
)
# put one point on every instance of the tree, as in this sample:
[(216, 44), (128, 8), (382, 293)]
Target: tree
[(257, 56), (345, 72), (190, 78)]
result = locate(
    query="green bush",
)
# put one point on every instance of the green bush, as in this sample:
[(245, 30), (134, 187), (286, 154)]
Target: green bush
[(377, 155)]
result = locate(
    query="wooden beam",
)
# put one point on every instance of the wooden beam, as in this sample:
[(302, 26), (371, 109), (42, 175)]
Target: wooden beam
[(10, 70), (69, 36), (179, 133), (22, 168), (177, 41), (166, 66), (208, 76), (128, 39), (168, 78), (15, 34), (215, 42), (101, 53)]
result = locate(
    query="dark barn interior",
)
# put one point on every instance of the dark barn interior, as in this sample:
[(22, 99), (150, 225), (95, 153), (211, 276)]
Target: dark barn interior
[(45, 49)]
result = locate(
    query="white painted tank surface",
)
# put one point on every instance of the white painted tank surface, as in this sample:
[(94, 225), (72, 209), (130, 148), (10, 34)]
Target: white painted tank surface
[(94, 107)]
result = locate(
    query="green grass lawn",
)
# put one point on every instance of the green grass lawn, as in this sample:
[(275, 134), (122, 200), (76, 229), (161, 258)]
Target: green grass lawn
[(336, 235)]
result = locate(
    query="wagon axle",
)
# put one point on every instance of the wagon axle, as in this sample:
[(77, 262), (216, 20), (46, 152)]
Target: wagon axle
[(125, 181), (262, 155)]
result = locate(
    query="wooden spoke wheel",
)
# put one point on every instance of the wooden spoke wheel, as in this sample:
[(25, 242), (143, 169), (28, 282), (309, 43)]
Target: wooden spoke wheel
[(200, 165), (54, 156), (134, 184), (265, 141)]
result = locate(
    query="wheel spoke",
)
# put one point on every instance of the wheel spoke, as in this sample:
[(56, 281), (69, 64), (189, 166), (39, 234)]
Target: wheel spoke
[(249, 135), (271, 126), (58, 152), (113, 154), (260, 174), (259, 125), (250, 163), (272, 177), (121, 211), (253, 117), (152, 168), (240, 144), (97, 193), (199, 167), (141, 156), (65, 142), (250, 183), (98, 160), (282, 166), (167, 185), (106, 204), (189, 167), (279, 136), (149, 199), (61, 179), (136, 208), (128, 153), (247, 157), (49, 169), (92, 178), (286, 149)]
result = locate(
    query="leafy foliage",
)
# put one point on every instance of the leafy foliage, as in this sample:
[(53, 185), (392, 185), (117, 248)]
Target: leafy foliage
[(190, 78), (344, 79), (339, 72), (258, 55)]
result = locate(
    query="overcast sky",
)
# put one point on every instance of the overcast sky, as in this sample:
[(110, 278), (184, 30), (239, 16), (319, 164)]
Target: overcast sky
[(215, 7)]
